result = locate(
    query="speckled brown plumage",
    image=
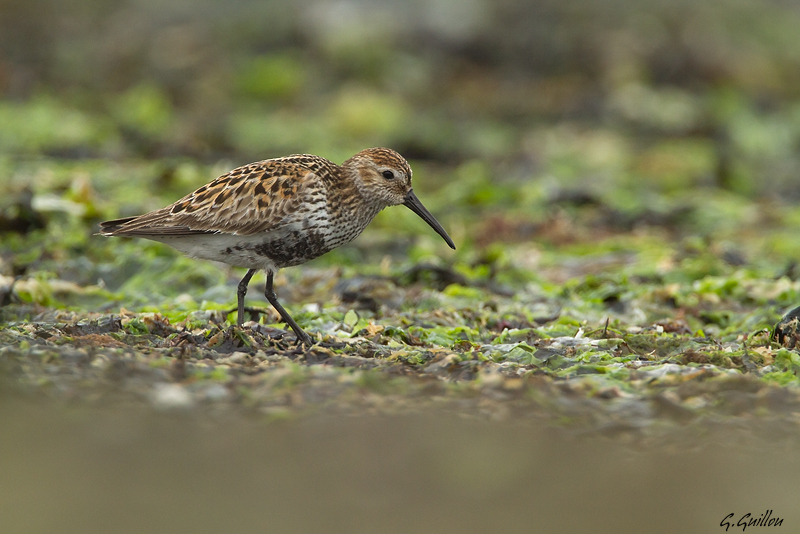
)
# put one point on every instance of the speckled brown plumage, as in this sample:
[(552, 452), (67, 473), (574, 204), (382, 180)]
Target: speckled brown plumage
[(279, 213)]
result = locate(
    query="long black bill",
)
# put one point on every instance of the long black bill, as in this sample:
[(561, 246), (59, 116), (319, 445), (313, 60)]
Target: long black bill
[(413, 203)]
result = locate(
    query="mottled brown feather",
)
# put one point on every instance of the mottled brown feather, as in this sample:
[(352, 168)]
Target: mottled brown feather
[(267, 195)]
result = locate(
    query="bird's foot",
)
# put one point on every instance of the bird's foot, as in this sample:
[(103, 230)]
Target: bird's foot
[(304, 339), (279, 335)]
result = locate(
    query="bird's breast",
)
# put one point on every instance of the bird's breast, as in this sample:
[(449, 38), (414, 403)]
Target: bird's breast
[(306, 238)]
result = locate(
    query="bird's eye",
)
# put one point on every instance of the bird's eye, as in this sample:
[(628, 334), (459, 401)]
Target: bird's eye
[(388, 175)]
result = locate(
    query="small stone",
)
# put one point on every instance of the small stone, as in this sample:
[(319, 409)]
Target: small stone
[(216, 392), (234, 358), (171, 397), (238, 357)]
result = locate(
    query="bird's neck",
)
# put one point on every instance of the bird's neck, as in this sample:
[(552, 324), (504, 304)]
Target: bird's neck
[(361, 203), (347, 216)]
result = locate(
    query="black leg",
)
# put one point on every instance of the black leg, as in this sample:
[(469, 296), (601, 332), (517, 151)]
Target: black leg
[(240, 293), (273, 299)]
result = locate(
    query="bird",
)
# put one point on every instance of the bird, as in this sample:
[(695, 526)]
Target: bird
[(280, 212)]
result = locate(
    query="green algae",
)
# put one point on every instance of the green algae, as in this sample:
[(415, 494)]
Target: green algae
[(634, 253)]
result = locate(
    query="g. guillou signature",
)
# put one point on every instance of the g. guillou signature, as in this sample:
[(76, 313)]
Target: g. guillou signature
[(747, 520)]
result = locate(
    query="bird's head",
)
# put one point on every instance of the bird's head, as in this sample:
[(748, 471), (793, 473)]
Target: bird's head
[(384, 176)]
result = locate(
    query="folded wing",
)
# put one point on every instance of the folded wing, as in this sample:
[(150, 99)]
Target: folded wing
[(256, 198)]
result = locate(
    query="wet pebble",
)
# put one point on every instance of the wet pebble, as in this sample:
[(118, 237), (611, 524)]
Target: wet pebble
[(216, 393), (171, 396)]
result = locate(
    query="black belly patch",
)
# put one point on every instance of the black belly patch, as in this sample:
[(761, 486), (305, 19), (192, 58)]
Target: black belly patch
[(294, 249)]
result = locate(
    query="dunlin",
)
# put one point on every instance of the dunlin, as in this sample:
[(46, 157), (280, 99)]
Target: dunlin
[(280, 212)]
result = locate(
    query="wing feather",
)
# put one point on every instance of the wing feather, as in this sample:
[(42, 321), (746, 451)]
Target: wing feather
[(260, 197)]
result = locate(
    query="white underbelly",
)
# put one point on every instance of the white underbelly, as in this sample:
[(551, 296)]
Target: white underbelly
[(231, 249)]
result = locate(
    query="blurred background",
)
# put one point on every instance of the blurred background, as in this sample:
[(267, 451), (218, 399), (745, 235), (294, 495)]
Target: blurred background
[(671, 92)]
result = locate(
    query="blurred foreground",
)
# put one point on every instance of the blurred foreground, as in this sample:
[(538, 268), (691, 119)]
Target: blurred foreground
[(78, 470)]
